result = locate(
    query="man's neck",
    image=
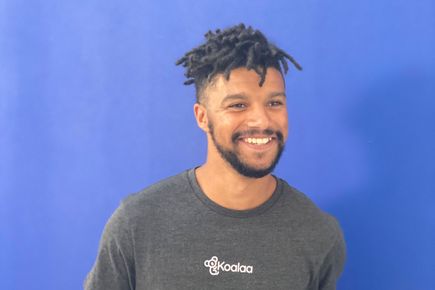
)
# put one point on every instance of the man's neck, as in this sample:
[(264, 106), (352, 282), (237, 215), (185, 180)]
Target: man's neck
[(229, 189)]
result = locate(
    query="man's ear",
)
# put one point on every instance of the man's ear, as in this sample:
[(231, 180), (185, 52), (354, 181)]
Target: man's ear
[(201, 116)]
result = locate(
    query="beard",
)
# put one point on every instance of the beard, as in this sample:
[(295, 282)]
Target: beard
[(233, 157)]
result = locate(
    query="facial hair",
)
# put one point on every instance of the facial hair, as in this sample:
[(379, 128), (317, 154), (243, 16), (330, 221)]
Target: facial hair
[(232, 157)]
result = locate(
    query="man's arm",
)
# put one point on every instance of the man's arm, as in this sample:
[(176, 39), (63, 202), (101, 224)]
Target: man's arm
[(114, 266), (333, 263)]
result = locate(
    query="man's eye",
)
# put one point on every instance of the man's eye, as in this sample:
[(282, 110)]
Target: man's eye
[(238, 106), (275, 103)]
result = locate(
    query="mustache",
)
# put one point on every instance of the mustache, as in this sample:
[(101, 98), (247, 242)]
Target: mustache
[(267, 132)]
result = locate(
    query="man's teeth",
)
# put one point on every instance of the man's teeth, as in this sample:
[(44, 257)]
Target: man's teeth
[(257, 140)]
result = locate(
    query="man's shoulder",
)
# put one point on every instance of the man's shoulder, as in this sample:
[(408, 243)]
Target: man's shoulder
[(309, 213), (164, 192), (296, 197)]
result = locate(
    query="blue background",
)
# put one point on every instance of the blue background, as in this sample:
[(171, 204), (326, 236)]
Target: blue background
[(92, 108)]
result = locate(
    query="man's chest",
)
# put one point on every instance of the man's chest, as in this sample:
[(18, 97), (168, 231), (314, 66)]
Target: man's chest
[(225, 258)]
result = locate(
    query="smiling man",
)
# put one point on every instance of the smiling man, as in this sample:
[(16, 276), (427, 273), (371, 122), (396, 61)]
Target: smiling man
[(229, 223), (246, 126)]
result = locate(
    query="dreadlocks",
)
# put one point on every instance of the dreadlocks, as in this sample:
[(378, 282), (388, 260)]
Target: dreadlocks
[(232, 48)]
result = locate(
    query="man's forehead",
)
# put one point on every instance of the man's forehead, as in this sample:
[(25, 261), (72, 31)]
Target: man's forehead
[(247, 80), (245, 75), (242, 80)]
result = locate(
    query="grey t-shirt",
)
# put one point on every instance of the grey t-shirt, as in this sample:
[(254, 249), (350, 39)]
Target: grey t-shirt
[(172, 236)]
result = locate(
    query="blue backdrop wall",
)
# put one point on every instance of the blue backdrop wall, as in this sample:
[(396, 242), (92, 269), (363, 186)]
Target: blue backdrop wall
[(92, 108)]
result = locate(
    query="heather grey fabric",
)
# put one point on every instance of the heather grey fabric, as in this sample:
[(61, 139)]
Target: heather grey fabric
[(171, 236)]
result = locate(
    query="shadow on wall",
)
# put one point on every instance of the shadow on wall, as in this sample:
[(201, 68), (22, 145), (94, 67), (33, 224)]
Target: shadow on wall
[(389, 221)]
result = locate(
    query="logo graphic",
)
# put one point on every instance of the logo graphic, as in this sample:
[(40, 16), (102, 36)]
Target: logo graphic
[(215, 266)]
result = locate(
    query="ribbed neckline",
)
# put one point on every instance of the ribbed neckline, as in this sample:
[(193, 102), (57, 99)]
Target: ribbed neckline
[(190, 174)]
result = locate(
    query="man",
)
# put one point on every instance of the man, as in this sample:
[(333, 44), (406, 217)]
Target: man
[(228, 224)]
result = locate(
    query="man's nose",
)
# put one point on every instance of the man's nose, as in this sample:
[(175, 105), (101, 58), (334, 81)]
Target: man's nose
[(258, 117)]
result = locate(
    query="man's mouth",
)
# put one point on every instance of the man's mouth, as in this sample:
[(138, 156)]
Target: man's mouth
[(257, 141), (257, 137)]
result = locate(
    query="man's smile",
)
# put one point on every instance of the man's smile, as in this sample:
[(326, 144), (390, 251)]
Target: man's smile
[(258, 141)]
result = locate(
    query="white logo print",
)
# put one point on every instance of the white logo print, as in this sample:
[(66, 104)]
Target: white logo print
[(215, 266)]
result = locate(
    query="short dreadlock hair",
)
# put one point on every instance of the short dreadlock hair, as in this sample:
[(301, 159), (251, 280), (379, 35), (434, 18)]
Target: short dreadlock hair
[(234, 47)]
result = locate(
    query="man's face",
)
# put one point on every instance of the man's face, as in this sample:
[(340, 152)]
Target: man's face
[(248, 124)]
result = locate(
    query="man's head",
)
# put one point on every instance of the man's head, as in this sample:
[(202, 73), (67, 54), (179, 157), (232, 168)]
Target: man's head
[(241, 102), (225, 50)]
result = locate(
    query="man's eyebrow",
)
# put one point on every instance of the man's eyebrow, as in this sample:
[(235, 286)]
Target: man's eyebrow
[(277, 94), (242, 96), (235, 97)]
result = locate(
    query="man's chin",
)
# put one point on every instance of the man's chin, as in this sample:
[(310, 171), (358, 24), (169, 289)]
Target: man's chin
[(256, 174), (252, 171), (256, 168), (259, 164)]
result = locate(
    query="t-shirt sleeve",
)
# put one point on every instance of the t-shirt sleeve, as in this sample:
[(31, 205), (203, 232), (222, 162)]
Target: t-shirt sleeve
[(114, 266), (334, 261)]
